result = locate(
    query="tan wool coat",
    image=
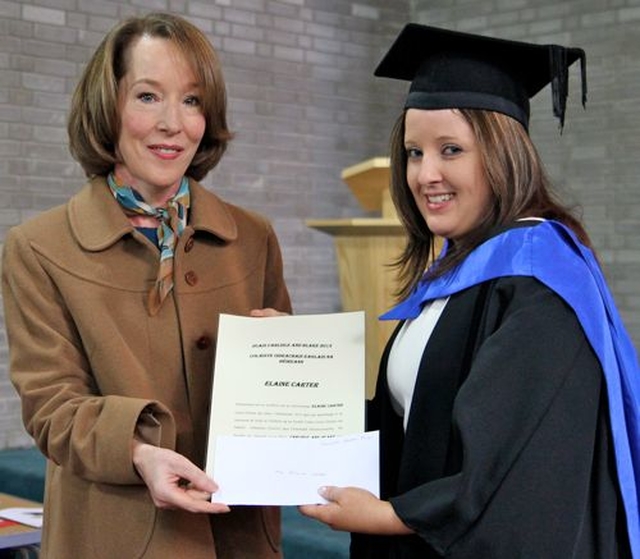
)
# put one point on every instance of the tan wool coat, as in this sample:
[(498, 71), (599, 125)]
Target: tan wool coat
[(92, 367)]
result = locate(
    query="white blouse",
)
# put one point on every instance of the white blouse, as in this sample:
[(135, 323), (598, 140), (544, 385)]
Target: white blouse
[(406, 353)]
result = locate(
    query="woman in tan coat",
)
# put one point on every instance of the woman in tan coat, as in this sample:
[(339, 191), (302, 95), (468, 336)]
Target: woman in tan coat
[(112, 303)]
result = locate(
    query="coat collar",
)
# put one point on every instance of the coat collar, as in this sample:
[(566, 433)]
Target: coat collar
[(97, 220)]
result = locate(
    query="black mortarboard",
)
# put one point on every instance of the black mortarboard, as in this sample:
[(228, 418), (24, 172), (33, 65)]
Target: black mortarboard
[(450, 69)]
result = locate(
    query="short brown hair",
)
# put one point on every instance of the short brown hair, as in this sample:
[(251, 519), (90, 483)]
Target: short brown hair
[(94, 122), (518, 180)]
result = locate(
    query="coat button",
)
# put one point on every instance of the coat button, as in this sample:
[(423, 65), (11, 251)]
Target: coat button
[(188, 245), (203, 342), (191, 278)]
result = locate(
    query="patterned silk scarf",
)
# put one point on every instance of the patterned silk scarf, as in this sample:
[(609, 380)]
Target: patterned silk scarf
[(172, 218)]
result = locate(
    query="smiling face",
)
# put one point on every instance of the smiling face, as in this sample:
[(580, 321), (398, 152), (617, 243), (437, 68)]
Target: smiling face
[(161, 120), (445, 172)]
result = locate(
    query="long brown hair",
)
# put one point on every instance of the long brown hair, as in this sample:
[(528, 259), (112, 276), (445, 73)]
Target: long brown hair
[(94, 120), (520, 188)]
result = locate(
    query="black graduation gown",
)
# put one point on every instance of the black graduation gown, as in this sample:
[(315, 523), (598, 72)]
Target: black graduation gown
[(507, 452)]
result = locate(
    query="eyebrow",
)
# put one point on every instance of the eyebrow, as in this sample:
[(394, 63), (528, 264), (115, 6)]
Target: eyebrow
[(156, 83), (440, 139)]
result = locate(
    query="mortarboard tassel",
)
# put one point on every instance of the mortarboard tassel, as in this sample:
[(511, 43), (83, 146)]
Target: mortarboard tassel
[(583, 78), (560, 80)]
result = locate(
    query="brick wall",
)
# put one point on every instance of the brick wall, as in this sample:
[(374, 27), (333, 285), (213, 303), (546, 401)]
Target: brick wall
[(303, 103), (304, 106)]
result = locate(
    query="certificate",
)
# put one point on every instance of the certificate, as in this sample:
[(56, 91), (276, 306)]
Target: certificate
[(295, 377)]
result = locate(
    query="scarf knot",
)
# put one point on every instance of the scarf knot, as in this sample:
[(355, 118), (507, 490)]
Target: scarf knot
[(172, 221)]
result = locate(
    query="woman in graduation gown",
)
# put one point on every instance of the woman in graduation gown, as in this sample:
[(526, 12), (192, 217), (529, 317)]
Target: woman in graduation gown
[(507, 396)]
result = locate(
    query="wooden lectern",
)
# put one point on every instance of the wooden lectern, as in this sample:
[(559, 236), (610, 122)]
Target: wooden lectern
[(364, 248)]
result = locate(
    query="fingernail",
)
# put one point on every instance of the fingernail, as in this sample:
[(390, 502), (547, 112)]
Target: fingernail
[(322, 491)]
